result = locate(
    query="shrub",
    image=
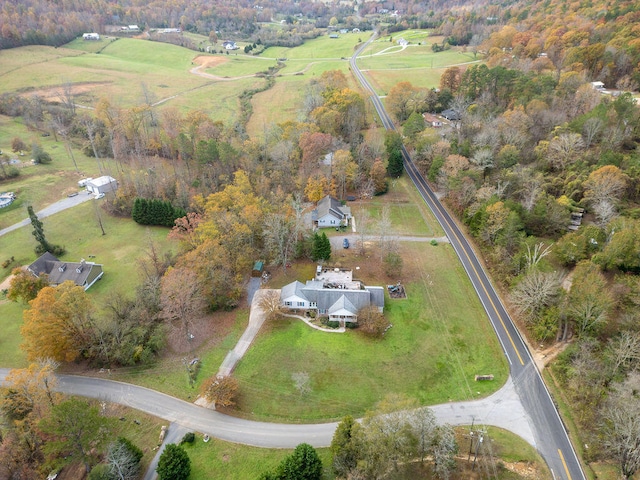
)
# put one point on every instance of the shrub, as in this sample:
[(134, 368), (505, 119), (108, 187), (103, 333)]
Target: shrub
[(333, 324), (434, 242), (174, 463), (189, 437)]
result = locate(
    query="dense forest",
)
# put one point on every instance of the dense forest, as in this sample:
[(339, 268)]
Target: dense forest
[(541, 166)]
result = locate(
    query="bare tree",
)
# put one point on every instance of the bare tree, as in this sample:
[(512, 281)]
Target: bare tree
[(536, 291), (605, 211), (564, 149), (591, 129), (181, 297), (122, 462), (623, 351), (534, 256), (531, 186), (621, 427), (269, 302)]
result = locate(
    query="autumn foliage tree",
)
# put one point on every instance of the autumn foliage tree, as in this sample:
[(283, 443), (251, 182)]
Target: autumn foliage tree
[(24, 285), (221, 390), (59, 323)]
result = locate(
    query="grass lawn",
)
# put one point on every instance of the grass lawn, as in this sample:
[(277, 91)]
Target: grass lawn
[(440, 339), (405, 207), (218, 459), (78, 230)]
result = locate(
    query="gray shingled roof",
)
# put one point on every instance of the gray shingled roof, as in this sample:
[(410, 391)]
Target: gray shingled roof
[(330, 205), (294, 288), (80, 273), (343, 303)]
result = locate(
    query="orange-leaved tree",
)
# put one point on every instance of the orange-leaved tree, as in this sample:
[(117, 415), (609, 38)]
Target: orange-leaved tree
[(58, 324)]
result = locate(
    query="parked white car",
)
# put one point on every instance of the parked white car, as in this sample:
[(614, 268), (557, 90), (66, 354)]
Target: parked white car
[(99, 196)]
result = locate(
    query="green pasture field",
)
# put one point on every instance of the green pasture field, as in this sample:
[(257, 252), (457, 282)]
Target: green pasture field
[(218, 99), (90, 46), (236, 66), (117, 73), (290, 95), (28, 58), (77, 229), (320, 48), (439, 340)]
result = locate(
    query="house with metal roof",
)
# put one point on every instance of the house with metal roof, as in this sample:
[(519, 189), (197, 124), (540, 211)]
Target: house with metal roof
[(102, 184), (332, 293), (83, 274)]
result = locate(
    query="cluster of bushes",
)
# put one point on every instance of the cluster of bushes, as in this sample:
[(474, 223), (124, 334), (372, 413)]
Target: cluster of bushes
[(155, 212)]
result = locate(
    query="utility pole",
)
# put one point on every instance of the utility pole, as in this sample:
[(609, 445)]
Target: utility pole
[(470, 440), (480, 440)]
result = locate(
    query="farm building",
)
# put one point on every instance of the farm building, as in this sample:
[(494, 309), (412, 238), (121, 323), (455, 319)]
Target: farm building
[(90, 36), (332, 293), (84, 274), (331, 213), (102, 184)]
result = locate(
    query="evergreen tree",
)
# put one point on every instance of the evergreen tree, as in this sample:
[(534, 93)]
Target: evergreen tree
[(325, 247), (316, 247), (395, 167), (174, 463), (302, 464), (393, 145), (343, 447), (38, 231)]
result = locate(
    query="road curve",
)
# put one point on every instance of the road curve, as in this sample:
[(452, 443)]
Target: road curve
[(502, 409), (550, 435)]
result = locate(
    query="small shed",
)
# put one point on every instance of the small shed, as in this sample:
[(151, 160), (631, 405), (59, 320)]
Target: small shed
[(257, 269)]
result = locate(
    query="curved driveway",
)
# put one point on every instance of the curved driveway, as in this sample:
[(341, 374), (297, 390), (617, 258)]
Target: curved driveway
[(56, 207), (550, 436)]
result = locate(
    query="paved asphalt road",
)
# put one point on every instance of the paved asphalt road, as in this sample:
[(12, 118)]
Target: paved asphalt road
[(551, 438), (502, 409), (56, 207)]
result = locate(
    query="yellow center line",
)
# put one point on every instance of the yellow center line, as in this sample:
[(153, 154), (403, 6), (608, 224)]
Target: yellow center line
[(481, 283), (564, 464)]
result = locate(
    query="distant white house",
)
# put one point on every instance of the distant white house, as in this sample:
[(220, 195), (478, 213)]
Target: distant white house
[(597, 85), (102, 184), (333, 293), (401, 41), (90, 36), (229, 45), (331, 213)]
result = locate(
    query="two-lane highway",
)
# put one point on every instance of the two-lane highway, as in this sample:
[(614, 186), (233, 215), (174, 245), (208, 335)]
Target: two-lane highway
[(552, 440)]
